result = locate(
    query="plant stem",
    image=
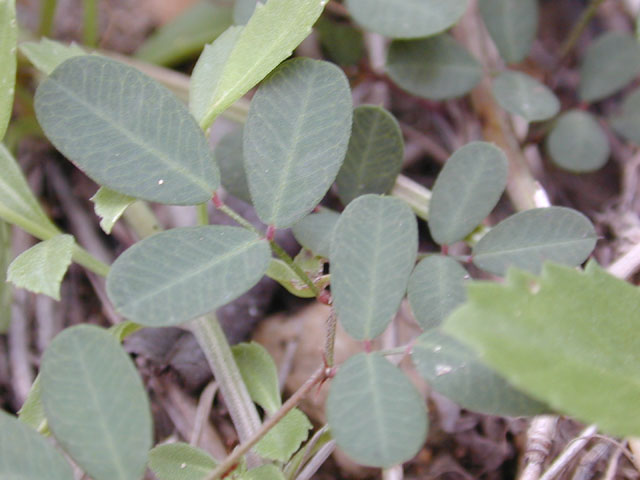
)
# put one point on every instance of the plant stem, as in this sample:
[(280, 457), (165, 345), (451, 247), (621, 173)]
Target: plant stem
[(284, 256), (230, 462), (578, 28), (141, 219), (330, 339), (90, 30), (414, 194), (47, 14), (88, 261), (202, 214), (239, 219)]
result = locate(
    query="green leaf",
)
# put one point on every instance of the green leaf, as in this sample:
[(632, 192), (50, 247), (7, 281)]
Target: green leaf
[(126, 131), (374, 156), (609, 64), (372, 254), (265, 472), (285, 438), (567, 337), (526, 239), (17, 203), (406, 18), (315, 231), (26, 455), (180, 274), (376, 415), (455, 371), (627, 122), (436, 288), (242, 56), (47, 54), (180, 461), (228, 155), (32, 411), (96, 404), (466, 190), (523, 95), (342, 43), (577, 143), (295, 138), (110, 206), (40, 268), (282, 273), (122, 330), (8, 61), (6, 255), (436, 68), (186, 35), (512, 25), (243, 9), (260, 375)]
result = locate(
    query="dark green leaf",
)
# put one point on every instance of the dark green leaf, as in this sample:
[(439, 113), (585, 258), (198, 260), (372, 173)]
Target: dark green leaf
[(295, 138), (126, 131), (96, 404), (577, 143), (374, 156), (372, 254), (526, 239), (315, 231), (455, 371), (8, 61), (180, 274), (180, 461), (523, 95), (627, 122), (466, 190), (376, 415), (229, 157), (343, 43), (436, 68), (567, 337)]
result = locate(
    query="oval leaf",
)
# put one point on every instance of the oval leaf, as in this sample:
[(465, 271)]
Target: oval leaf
[(315, 231), (229, 157), (175, 276), (566, 337), (627, 122), (436, 68), (26, 455), (436, 288), (526, 239), (523, 95), (455, 371), (40, 269), (295, 138), (512, 25), (406, 18), (8, 61), (126, 131), (342, 42), (376, 415), (466, 190), (96, 404), (577, 143), (374, 156), (609, 64), (372, 254), (180, 461), (260, 375)]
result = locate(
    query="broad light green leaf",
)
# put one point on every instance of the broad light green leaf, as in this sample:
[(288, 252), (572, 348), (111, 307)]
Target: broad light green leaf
[(376, 415), (315, 231), (17, 203), (406, 18), (282, 273), (512, 25), (627, 122), (285, 438), (436, 288), (525, 240), (436, 68), (454, 370), (177, 275), (228, 155), (295, 138), (26, 455), (126, 131), (242, 56), (260, 375), (577, 143), (186, 35), (523, 95), (374, 156), (40, 269), (372, 254), (110, 206), (180, 461), (8, 61), (243, 9), (47, 54), (343, 43), (567, 337), (96, 404), (466, 190), (265, 472), (610, 63)]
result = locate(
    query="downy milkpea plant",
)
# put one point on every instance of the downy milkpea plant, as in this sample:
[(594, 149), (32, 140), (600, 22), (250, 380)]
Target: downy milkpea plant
[(548, 337)]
